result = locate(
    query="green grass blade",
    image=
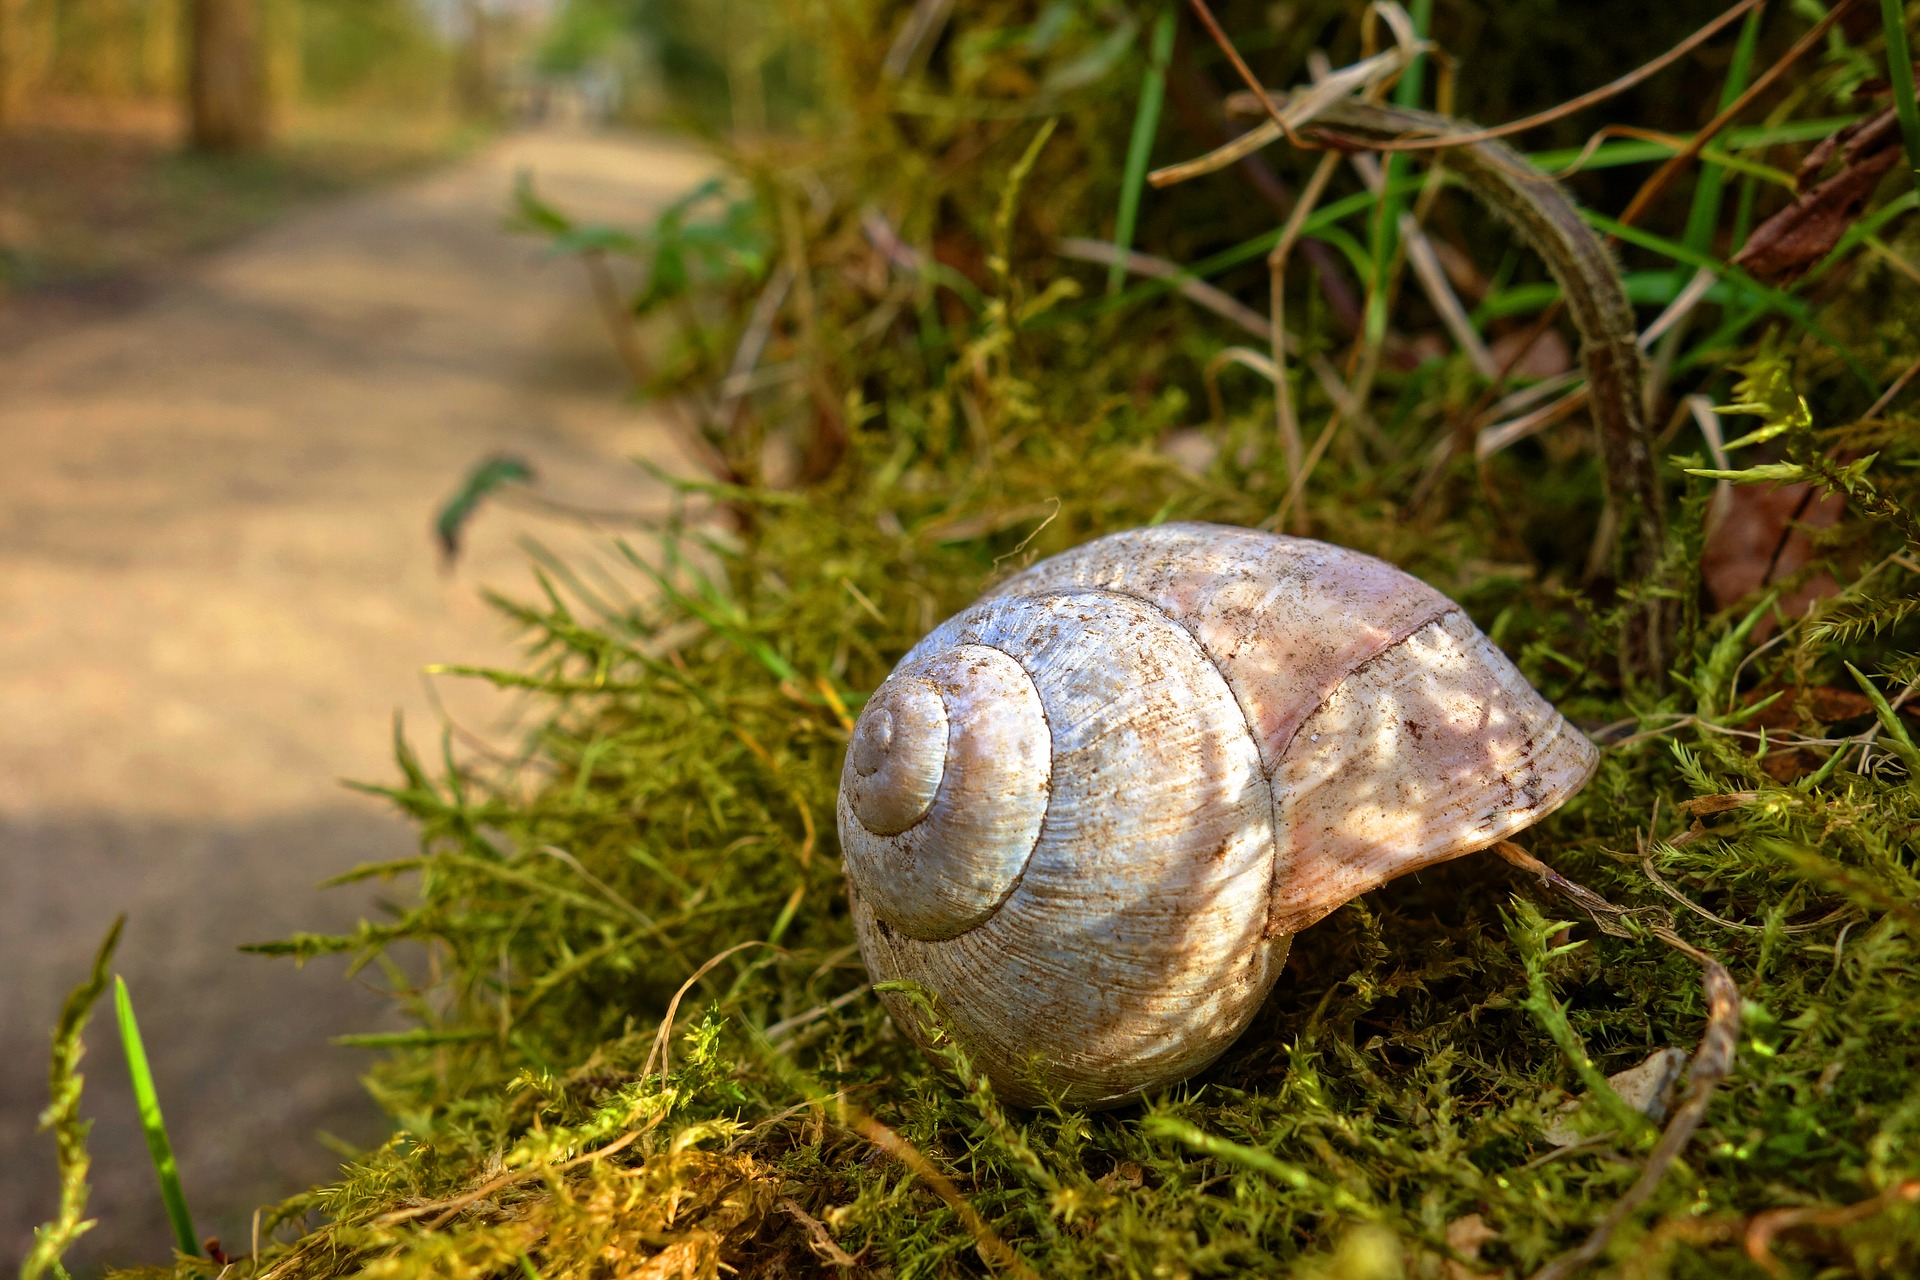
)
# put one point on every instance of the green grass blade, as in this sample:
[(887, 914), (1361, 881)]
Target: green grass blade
[(492, 474), (1898, 740), (62, 1116), (1609, 155), (1704, 215), (147, 1099), (1772, 299), (1900, 78), (1385, 232), (1146, 123), (1412, 89)]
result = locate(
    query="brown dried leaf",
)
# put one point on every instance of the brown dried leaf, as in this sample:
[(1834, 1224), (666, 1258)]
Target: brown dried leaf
[(1785, 246), (1762, 537), (1705, 805), (1545, 357), (1465, 1236), (819, 1239)]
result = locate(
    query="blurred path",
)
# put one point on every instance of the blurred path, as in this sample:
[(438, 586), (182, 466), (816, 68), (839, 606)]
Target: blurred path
[(216, 587)]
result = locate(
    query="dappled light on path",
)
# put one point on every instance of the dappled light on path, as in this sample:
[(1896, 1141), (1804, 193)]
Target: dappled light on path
[(217, 585)]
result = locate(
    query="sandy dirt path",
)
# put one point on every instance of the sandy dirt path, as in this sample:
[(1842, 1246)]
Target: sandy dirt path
[(216, 588)]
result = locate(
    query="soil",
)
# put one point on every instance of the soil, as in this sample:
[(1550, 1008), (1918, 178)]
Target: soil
[(217, 588)]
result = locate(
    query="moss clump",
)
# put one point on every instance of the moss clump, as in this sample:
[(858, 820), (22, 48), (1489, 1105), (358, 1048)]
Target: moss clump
[(646, 1047)]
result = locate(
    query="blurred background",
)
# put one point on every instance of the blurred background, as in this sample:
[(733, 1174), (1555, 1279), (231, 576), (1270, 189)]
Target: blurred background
[(261, 308)]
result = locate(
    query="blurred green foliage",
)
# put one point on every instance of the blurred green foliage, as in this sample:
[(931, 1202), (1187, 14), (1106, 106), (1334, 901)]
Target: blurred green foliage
[(380, 50), (324, 51), (712, 63)]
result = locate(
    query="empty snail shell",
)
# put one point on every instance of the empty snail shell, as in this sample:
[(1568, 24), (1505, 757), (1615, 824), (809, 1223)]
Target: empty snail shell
[(1091, 811)]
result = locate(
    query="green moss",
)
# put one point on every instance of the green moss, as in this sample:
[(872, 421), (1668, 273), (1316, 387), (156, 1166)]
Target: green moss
[(645, 1043)]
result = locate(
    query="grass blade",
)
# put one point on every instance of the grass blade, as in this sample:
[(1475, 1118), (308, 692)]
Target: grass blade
[(1384, 233), (147, 1099), (1413, 85), (1765, 296), (1900, 79), (1704, 215), (492, 474), (62, 1116), (1898, 740), (1146, 123)]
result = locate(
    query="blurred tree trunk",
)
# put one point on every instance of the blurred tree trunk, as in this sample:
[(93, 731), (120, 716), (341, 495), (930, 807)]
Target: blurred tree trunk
[(226, 87), (10, 60), (473, 69)]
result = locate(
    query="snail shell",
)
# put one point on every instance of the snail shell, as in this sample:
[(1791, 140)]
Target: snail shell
[(1091, 811)]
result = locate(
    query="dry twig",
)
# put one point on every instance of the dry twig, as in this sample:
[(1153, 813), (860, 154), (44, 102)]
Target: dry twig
[(994, 1251), (1764, 1227), (1712, 1062), (1440, 140)]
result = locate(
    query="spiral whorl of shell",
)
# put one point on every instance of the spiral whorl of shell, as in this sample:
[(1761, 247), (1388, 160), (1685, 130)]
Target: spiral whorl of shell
[(1090, 811)]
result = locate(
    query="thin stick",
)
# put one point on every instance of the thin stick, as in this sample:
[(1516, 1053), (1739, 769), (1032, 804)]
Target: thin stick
[(1708, 421), (1300, 108), (446, 1210), (1765, 1226), (1286, 422), (1680, 308), (1491, 440), (1189, 286), (1247, 358), (1581, 103), (1712, 1062), (788, 1025), (753, 341), (1299, 484), (1899, 384), (1665, 174), (1646, 866), (1433, 279), (993, 1250), (928, 17), (661, 1037), (1252, 81)]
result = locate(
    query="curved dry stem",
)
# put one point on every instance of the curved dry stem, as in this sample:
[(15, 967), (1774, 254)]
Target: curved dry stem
[(1547, 220), (1447, 134), (1712, 1061), (992, 1249), (1764, 1227)]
